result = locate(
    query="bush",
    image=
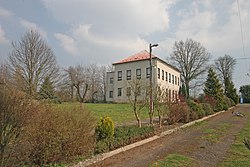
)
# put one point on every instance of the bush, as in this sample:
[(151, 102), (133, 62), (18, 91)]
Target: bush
[(179, 112), (197, 108), (129, 134), (232, 102), (105, 129), (104, 135), (227, 101), (210, 100), (207, 108), (59, 136), (104, 145), (16, 111), (123, 136), (40, 135)]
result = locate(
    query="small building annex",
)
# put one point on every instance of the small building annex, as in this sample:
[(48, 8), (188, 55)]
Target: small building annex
[(138, 67)]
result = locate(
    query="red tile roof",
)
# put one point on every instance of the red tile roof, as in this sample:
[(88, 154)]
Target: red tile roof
[(143, 55)]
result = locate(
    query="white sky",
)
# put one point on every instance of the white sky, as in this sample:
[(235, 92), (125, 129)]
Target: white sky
[(103, 32)]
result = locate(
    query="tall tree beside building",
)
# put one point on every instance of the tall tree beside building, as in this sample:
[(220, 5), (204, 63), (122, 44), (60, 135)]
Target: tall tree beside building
[(30, 61), (213, 88), (191, 58), (225, 66)]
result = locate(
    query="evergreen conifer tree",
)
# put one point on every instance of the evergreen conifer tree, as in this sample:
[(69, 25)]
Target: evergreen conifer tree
[(213, 88), (230, 91), (47, 90)]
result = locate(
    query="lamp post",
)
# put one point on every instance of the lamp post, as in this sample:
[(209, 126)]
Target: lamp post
[(150, 83)]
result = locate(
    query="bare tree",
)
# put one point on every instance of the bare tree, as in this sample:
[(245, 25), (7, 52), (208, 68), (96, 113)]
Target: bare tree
[(191, 58), (30, 61), (161, 102), (137, 100), (103, 88), (225, 66), (94, 75), (78, 78)]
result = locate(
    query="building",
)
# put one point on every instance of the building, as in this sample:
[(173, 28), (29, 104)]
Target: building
[(138, 67)]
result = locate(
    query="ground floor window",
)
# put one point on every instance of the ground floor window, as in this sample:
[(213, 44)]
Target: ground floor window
[(119, 92), (110, 94)]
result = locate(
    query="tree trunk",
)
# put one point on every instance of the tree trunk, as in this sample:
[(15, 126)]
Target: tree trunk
[(151, 115), (187, 89), (159, 116)]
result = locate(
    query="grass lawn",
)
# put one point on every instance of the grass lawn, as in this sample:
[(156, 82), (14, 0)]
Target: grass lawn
[(120, 113), (174, 160), (238, 154)]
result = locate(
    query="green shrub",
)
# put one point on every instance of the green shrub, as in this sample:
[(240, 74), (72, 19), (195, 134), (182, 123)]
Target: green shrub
[(123, 136), (104, 145), (227, 101), (128, 134), (197, 108), (105, 129), (207, 108), (232, 102)]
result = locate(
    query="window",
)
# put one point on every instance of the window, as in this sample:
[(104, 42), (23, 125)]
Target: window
[(119, 93), (166, 74), (128, 91), (159, 75), (111, 80), (162, 73), (169, 77), (173, 95), (148, 72), (172, 79), (169, 95), (175, 80), (138, 73), (110, 94), (178, 81), (119, 75), (128, 74)]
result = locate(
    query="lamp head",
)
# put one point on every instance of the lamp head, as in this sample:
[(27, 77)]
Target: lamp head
[(153, 45)]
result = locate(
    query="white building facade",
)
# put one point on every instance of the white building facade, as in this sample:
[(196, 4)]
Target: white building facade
[(138, 67)]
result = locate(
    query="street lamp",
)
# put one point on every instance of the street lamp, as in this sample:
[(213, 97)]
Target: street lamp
[(150, 82)]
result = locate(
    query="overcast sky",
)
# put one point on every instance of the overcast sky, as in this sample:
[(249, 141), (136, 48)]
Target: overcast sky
[(106, 31)]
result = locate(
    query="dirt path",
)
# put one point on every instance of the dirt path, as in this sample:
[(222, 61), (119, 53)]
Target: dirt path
[(207, 143)]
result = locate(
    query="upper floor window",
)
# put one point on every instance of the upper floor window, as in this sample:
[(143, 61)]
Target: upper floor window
[(148, 72), (138, 73), (111, 80), (169, 77), (178, 81), (175, 80), (172, 79), (166, 75), (119, 93), (128, 74), (162, 73), (159, 75), (119, 75)]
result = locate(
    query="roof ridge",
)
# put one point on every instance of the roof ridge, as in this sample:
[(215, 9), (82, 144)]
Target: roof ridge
[(142, 55)]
